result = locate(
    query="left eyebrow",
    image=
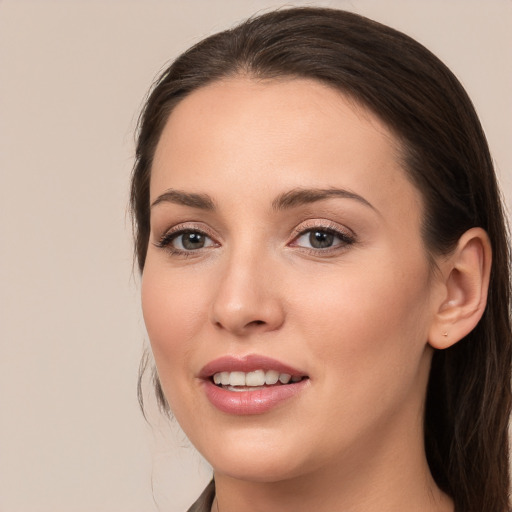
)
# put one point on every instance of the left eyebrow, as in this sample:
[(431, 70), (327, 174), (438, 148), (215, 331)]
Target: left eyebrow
[(200, 201), (302, 196)]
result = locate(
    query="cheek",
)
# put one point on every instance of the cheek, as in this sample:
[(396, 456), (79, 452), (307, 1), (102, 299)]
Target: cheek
[(174, 311), (367, 323), (368, 336)]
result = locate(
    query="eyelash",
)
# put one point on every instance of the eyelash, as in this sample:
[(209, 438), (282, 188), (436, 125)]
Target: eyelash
[(167, 239), (346, 238)]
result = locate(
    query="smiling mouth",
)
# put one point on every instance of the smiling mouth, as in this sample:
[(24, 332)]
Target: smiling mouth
[(254, 380), (252, 384)]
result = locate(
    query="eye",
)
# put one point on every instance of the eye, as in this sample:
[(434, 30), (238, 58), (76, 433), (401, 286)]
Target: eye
[(322, 238), (317, 239), (191, 240), (185, 240)]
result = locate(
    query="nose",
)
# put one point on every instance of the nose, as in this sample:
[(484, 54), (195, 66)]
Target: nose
[(247, 298)]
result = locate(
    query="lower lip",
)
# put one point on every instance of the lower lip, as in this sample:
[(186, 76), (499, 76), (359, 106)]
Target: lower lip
[(251, 402)]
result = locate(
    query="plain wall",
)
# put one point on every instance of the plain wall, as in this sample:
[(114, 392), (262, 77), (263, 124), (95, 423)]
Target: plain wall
[(73, 75)]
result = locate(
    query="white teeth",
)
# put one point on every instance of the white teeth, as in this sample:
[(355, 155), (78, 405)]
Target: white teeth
[(254, 379), (284, 378), (237, 379), (271, 377)]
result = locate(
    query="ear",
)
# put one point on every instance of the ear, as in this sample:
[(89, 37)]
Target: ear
[(465, 274)]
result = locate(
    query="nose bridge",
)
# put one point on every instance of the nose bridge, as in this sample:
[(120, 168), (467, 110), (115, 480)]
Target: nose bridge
[(246, 299)]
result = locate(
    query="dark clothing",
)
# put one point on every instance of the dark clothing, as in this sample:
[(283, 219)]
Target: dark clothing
[(204, 502)]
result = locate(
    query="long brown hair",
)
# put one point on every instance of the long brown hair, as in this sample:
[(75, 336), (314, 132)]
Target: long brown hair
[(446, 156)]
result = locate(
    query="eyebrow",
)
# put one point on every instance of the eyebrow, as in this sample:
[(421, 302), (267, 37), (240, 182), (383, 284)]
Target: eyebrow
[(291, 199), (201, 201), (302, 196)]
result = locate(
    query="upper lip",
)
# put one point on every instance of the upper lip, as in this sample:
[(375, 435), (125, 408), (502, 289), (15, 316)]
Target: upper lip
[(246, 363)]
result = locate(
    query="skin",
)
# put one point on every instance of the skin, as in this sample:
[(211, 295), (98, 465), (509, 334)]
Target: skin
[(354, 317)]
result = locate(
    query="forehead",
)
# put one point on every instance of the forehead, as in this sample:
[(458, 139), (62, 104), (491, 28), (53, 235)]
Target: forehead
[(275, 135)]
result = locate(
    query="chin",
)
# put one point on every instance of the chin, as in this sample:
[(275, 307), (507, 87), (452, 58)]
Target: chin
[(257, 457), (260, 470)]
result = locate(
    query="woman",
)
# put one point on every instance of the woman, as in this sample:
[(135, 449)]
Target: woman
[(325, 270)]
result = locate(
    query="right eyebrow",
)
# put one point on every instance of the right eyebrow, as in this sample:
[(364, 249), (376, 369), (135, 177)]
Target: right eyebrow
[(300, 196), (201, 201)]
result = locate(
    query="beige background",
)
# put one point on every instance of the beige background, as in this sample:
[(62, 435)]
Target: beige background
[(72, 78)]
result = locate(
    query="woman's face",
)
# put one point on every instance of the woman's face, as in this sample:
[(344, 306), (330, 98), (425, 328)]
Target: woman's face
[(285, 241)]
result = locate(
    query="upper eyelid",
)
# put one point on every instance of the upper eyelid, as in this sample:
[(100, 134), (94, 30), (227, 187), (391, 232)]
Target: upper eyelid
[(189, 226), (322, 224)]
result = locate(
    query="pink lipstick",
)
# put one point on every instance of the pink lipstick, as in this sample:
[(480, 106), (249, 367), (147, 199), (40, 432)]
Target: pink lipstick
[(252, 384)]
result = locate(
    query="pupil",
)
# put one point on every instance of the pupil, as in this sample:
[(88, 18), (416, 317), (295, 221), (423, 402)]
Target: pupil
[(193, 240), (320, 239)]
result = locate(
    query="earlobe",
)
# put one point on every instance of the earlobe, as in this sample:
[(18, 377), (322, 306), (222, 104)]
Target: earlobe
[(466, 281)]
